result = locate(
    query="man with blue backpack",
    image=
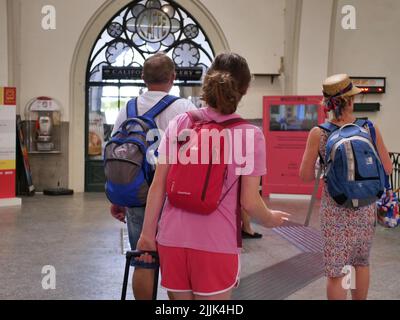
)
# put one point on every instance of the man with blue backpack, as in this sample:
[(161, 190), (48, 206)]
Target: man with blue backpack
[(128, 170)]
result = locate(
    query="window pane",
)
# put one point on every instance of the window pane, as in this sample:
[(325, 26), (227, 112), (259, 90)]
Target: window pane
[(103, 112)]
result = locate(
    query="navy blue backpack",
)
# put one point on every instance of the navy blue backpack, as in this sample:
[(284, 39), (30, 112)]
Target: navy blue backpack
[(354, 173), (127, 170)]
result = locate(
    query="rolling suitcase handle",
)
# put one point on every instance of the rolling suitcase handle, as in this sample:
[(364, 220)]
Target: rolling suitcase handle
[(136, 254)]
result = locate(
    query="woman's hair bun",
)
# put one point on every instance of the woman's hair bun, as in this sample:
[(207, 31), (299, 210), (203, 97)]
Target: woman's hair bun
[(221, 92)]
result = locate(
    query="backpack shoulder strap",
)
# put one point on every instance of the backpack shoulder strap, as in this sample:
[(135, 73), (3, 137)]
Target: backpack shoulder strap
[(131, 109), (372, 131), (195, 116), (367, 124), (233, 122), (362, 123), (162, 105), (328, 127)]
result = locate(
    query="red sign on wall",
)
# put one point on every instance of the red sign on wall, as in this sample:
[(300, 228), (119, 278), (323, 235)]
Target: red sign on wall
[(7, 184), (7, 142), (287, 123), (10, 96)]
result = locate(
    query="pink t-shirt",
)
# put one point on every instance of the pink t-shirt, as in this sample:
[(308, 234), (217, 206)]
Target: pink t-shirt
[(218, 231)]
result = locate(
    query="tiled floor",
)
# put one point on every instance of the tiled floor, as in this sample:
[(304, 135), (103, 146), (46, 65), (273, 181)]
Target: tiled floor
[(78, 237)]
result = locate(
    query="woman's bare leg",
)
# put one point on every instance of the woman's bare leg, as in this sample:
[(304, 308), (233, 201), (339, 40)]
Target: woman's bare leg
[(335, 290), (362, 284), (180, 296)]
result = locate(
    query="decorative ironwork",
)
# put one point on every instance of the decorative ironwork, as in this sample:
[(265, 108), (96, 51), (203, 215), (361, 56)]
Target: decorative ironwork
[(115, 30), (191, 31), (186, 55), (145, 27)]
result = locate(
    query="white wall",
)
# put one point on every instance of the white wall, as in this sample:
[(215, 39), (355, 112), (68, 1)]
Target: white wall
[(251, 106), (46, 56), (373, 50), (314, 45), (254, 28), (3, 44), (292, 23)]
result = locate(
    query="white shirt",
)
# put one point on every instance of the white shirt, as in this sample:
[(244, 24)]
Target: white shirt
[(147, 101)]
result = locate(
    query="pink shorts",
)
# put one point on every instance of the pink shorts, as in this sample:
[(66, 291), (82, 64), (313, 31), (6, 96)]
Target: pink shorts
[(201, 272)]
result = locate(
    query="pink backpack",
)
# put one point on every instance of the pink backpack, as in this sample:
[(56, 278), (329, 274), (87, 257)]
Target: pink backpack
[(197, 187)]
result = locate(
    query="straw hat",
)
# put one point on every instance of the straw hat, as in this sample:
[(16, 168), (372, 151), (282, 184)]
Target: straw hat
[(340, 85)]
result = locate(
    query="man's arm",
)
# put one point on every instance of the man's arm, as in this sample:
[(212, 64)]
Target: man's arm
[(118, 213)]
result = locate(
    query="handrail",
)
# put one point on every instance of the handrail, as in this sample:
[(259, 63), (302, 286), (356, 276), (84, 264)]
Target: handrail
[(395, 177)]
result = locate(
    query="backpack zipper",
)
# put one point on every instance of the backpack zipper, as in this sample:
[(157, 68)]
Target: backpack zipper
[(207, 182), (203, 195)]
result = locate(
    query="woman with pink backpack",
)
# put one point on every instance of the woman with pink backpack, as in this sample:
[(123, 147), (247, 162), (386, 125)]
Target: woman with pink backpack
[(207, 186)]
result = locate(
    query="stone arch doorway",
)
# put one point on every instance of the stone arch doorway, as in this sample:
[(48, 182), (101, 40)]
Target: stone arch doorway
[(107, 20)]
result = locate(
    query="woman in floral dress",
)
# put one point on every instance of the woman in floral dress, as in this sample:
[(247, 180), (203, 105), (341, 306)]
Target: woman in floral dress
[(347, 233)]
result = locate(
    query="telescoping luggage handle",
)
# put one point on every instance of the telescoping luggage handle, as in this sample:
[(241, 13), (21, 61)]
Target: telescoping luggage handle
[(136, 254)]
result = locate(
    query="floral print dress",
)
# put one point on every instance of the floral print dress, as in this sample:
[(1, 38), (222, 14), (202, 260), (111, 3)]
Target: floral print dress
[(347, 233)]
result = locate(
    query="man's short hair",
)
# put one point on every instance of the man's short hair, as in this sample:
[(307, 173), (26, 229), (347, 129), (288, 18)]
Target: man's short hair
[(158, 69)]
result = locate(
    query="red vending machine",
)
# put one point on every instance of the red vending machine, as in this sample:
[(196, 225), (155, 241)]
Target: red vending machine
[(287, 123)]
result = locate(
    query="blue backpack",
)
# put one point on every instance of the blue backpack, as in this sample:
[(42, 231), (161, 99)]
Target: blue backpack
[(354, 173), (127, 170)]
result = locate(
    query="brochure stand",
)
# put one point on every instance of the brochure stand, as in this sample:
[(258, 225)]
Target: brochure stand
[(24, 175)]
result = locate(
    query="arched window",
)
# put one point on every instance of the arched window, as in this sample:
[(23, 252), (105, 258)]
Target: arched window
[(144, 28), (139, 30)]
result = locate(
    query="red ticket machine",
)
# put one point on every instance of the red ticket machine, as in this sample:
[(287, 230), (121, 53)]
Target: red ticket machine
[(287, 123)]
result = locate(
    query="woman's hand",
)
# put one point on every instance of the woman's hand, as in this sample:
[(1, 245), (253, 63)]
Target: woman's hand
[(277, 219), (255, 206), (146, 244)]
